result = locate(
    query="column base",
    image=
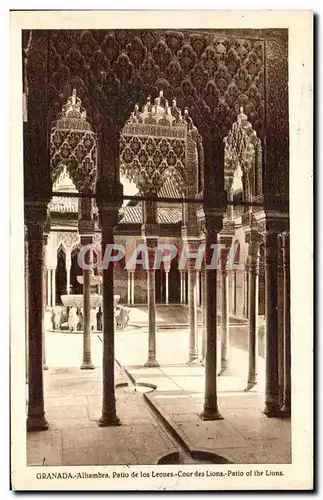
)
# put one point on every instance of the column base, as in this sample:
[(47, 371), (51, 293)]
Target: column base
[(152, 363), (193, 361), (208, 414), (45, 366), (36, 423), (109, 421), (285, 411), (87, 365), (250, 385), (225, 372), (272, 410)]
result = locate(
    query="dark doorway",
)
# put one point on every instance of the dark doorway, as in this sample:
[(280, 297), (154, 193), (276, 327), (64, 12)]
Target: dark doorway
[(174, 283), (60, 275)]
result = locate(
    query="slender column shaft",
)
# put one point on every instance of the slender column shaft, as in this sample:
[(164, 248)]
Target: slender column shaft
[(87, 361), (132, 288), (192, 306), (234, 292), (286, 408), (129, 288), (182, 286), (109, 414), (49, 298), (45, 366), (198, 295), (53, 287), (224, 323), (68, 276), (210, 411), (246, 290), (272, 389), (151, 291), (254, 256), (203, 305), (36, 413), (167, 286)]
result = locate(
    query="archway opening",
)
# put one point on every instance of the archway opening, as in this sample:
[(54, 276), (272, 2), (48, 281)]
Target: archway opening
[(60, 275)]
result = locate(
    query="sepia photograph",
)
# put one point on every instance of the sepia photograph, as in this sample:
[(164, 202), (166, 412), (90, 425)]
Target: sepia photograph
[(153, 222)]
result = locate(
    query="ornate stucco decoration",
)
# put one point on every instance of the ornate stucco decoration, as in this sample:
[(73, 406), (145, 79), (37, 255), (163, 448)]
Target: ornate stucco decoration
[(73, 145), (243, 148), (155, 144)]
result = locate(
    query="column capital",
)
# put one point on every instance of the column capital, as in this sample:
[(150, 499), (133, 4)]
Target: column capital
[(224, 258), (150, 231), (86, 228), (254, 240), (266, 221), (228, 228), (213, 220), (151, 243)]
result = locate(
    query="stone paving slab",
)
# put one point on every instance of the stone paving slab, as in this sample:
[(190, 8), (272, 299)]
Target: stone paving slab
[(73, 407), (244, 424)]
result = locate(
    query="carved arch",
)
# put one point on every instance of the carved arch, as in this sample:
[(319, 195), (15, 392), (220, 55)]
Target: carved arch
[(73, 144), (243, 148)]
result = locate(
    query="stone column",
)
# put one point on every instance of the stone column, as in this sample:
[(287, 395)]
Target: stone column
[(192, 307), (129, 287), (45, 242), (182, 274), (167, 285), (87, 361), (271, 317), (246, 290), (108, 216), (213, 222), (49, 298), (198, 295), (254, 239), (225, 340), (234, 292), (150, 235), (54, 287), (68, 272), (286, 408), (203, 315), (151, 293), (35, 215), (133, 287)]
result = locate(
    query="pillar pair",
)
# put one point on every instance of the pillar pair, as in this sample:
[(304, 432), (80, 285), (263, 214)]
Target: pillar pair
[(273, 407)]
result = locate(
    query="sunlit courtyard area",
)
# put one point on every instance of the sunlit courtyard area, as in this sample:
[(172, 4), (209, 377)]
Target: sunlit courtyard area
[(158, 407)]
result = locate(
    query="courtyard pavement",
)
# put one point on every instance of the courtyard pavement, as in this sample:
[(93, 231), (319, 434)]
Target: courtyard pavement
[(159, 418)]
